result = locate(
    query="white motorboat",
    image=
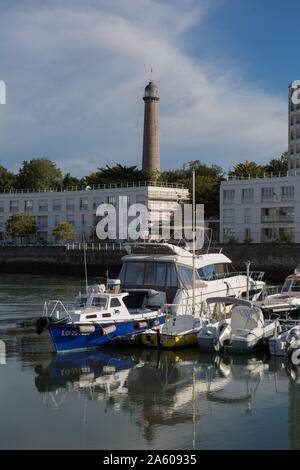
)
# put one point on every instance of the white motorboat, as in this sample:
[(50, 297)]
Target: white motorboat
[(286, 301), (286, 342), (245, 330), (165, 273)]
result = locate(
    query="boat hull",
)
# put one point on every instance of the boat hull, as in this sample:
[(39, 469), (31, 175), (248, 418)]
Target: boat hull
[(169, 341), (69, 337)]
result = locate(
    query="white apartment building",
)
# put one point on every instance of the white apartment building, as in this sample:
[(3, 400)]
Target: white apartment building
[(260, 210), (78, 206)]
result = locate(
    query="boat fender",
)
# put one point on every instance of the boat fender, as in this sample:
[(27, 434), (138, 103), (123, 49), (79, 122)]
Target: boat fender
[(41, 324), (108, 329), (140, 324), (87, 328)]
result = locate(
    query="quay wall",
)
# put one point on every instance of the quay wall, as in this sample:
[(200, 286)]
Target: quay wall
[(58, 260), (277, 260)]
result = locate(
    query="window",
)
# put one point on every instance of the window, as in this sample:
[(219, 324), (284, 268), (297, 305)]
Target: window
[(135, 273), (99, 302), (248, 195), (155, 274), (247, 237), (2, 223), (96, 202), (149, 274), (106, 315), (90, 316), (267, 194), (84, 204), (70, 218), (247, 216), (228, 196), (83, 219), (111, 200), (56, 204), (208, 273), (171, 275), (28, 206), (1, 206), (269, 234), (115, 302), (185, 275), (228, 216), (277, 214), (286, 287), (56, 220), (42, 221), (282, 234), (14, 206), (70, 205), (287, 193), (228, 234), (43, 205)]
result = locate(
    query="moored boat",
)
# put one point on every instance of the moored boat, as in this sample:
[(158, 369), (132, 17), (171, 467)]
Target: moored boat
[(286, 301), (100, 316), (245, 330)]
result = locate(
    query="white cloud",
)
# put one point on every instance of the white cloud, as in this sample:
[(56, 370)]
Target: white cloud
[(75, 78)]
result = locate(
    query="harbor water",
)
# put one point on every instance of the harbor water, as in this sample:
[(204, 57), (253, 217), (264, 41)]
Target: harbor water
[(124, 397)]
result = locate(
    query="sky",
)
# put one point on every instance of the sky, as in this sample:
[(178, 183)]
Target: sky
[(75, 72)]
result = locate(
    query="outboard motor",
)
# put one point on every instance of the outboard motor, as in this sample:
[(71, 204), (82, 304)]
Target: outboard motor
[(114, 285), (224, 333), (293, 338)]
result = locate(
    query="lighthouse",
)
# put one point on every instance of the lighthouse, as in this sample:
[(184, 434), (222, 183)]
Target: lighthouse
[(151, 153)]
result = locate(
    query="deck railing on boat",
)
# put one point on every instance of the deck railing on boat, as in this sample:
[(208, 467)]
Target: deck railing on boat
[(55, 308)]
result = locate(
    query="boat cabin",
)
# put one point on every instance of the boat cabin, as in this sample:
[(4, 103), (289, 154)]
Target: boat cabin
[(100, 303)]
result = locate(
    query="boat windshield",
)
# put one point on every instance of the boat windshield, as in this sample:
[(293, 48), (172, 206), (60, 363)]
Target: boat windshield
[(156, 275), (292, 285), (149, 274)]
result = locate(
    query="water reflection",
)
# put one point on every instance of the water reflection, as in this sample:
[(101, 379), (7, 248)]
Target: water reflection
[(164, 388)]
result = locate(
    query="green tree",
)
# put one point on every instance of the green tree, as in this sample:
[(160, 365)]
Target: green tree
[(247, 168), (39, 173), (19, 226), (7, 179), (70, 181), (64, 231), (278, 165), (208, 179), (117, 174)]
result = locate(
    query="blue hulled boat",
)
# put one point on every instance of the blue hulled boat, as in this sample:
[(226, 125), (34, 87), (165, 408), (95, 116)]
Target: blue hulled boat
[(100, 316)]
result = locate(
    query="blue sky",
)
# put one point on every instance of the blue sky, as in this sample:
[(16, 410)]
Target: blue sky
[(75, 72)]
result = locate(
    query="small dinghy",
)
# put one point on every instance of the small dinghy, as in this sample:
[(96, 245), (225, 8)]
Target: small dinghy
[(285, 343), (245, 330), (99, 317)]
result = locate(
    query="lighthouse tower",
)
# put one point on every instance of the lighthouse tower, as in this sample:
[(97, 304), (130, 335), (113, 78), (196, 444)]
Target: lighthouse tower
[(151, 153)]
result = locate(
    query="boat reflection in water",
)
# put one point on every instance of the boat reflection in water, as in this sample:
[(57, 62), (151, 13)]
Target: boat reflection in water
[(156, 387), (159, 388)]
